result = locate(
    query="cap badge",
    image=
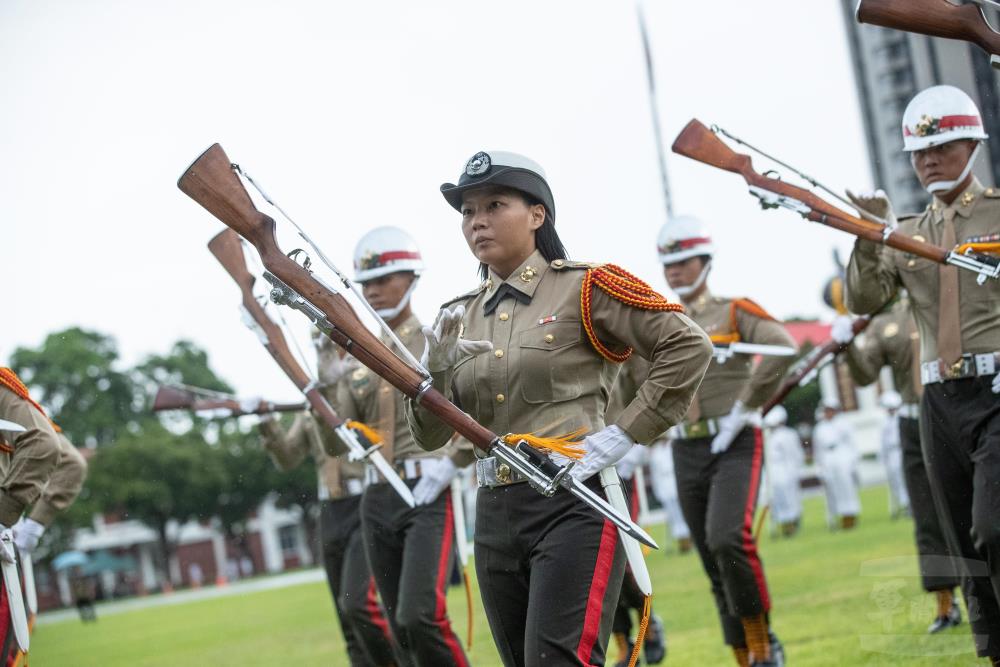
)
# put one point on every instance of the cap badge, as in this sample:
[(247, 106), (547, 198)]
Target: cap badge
[(370, 260), (927, 126), (478, 164)]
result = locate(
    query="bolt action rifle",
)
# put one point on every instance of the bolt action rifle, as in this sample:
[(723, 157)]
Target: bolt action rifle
[(176, 397), (700, 143), (228, 249), (935, 18), (212, 181)]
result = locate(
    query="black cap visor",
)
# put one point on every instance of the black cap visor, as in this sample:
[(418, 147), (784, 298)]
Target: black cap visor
[(510, 177)]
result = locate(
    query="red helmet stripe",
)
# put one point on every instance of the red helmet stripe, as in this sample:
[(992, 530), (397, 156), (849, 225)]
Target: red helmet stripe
[(949, 122), (396, 255)]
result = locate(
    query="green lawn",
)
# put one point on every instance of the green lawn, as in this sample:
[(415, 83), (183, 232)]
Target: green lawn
[(825, 587)]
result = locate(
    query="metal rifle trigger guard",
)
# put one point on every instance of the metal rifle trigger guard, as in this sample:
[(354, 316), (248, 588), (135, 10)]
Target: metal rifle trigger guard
[(306, 259), (769, 199)]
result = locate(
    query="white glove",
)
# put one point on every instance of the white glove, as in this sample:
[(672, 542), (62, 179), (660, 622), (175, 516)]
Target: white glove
[(444, 347), (27, 532), (729, 427), (842, 329), (628, 463), (331, 365), (435, 476), (877, 203), (602, 449), (996, 383), (7, 553)]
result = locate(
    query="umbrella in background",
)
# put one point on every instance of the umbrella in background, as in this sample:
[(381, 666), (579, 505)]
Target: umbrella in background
[(68, 559)]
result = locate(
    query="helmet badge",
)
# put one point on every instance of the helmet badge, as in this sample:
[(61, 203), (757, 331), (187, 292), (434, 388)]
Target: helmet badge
[(927, 126)]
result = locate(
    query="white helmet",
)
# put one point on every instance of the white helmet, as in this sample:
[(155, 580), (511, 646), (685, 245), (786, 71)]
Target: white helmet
[(683, 237), (938, 115), (386, 250), (890, 400), (776, 417)]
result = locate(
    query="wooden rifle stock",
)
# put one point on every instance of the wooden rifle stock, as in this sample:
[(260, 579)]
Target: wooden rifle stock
[(699, 143), (169, 397), (935, 18), (810, 362), (211, 182)]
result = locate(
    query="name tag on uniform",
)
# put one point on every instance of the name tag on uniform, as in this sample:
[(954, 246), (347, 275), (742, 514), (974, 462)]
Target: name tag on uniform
[(546, 320)]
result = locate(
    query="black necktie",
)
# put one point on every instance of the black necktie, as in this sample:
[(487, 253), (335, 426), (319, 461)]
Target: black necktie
[(503, 292)]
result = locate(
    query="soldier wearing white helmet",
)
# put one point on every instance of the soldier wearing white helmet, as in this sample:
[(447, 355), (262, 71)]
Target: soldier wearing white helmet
[(784, 466), (959, 327), (401, 542), (718, 453)]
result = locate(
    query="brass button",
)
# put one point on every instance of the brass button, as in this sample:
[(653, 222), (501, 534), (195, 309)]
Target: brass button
[(498, 353), (558, 262), (504, 317), (503, 473), (501, 398), (549, 338), (911, 263), (989, 191)]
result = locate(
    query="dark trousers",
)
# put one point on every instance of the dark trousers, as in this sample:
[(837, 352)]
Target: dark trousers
[(718, 495), (961, 428), (362, 621), (411, 555), (937, 570), (550, 571)]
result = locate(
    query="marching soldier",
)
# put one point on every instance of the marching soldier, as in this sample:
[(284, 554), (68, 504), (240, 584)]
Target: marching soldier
[(959, 326), (534, 350), (362, 621), (837, 459), (410, 550), (664, 483), (718, 454), (892, 340), (784, 458)]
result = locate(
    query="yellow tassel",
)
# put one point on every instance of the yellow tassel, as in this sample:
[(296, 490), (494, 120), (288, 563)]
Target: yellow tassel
[(647, 609), (987, 248), (568, 445), (365, 430), (468, 602), (760, 522)]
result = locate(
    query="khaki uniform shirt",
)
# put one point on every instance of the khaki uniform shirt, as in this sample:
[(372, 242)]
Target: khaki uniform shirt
[(545, 377), (737, 378), (365, 397), (890, 340), (64, 484), (305, 437), (24, 472), (876, 272)]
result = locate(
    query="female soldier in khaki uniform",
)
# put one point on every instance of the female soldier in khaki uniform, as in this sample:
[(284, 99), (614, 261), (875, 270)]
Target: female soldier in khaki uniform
[(542, 340), (718, 455), (410, 550)]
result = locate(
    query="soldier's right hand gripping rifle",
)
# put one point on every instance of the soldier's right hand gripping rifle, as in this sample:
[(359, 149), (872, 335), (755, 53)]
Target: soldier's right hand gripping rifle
[(228, 249), (212, 181), (935, 18), (701, 143)]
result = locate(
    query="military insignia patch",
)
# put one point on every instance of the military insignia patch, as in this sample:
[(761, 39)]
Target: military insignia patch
[(478, 164), (988, 238), (546, 320), (927, 126)]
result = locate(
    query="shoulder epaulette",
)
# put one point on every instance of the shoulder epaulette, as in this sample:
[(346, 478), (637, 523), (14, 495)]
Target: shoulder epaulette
[(9, 379), (749, 306), (622, 286), (562, 264), (471, 294)]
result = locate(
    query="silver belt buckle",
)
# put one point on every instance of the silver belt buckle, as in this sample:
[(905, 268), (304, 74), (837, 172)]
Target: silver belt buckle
[(930, 372), (490, 473)]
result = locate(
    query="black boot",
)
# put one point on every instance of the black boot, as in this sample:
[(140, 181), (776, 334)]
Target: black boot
[(949, 620), (654, 647)]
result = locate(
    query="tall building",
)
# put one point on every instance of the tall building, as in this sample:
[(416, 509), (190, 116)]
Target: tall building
[(892, 66)]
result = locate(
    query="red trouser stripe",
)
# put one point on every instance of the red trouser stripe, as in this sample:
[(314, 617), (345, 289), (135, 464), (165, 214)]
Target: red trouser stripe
[(598, 587), (374, 609), (749, 545), (441, 612)]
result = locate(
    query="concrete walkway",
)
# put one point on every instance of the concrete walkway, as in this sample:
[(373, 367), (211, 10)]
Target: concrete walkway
[(309, 576)]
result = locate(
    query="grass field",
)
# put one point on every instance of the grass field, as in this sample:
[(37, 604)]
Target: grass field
[(839, 599)]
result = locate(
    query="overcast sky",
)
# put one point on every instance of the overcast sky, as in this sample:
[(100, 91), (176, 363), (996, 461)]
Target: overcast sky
[(353, 114)]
